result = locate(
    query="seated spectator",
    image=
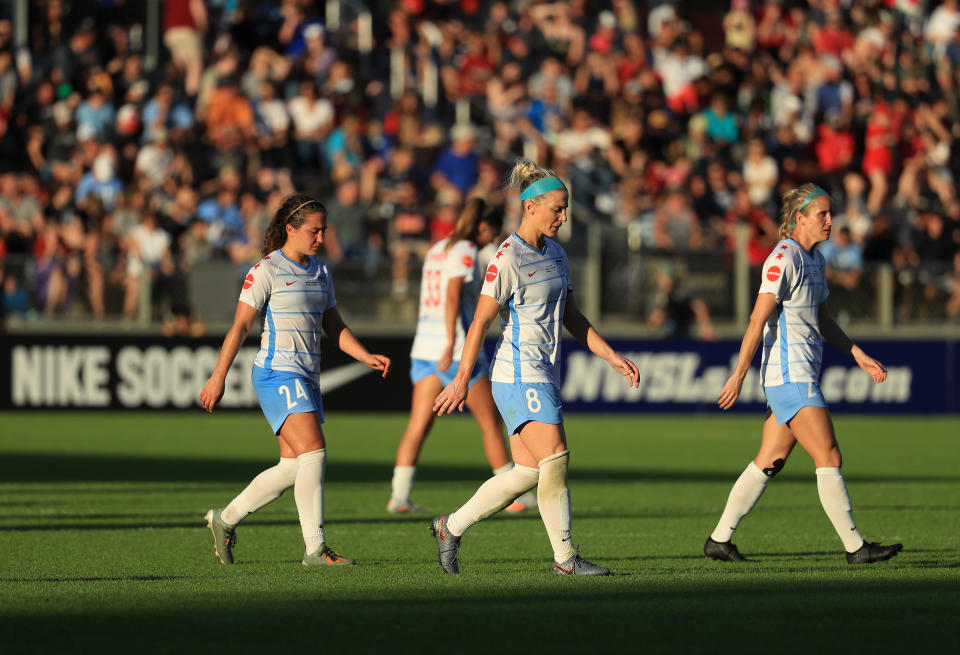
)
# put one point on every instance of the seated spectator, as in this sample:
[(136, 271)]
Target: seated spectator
[(313, 118), (676, 227), (456, 165)]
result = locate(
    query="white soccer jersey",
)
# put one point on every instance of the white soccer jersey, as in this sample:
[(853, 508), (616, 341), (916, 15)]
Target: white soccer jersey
[(438, 267), (792, 344), (291, 299), (531, 287)]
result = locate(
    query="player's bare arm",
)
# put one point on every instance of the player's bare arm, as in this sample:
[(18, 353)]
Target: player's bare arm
[(454, 395), (212, 391), (338, 332), (836, 337), (581, 330), (766, 303)]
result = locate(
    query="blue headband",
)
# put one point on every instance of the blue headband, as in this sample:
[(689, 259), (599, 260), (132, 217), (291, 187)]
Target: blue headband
[(541, 187), (816, 193)]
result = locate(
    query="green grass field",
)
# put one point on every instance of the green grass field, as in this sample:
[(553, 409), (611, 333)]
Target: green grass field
[(103, 546)]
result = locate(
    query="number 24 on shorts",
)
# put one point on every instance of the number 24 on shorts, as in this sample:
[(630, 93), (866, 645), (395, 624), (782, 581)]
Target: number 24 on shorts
[(300, 393)]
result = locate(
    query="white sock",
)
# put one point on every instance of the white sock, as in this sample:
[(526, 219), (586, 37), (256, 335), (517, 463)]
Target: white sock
[(492, 496), (836, 503), (263, 489), (554, 502), (529, 498), (503, 469), (743, 496), (402, 483), (308, 490)]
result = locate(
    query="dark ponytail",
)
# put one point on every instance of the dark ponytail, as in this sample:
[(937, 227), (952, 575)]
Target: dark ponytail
[(293, 211)]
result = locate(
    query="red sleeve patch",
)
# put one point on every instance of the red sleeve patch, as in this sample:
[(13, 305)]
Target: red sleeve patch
[(467, 261), (773, 273), (491, 273), (248, 281)]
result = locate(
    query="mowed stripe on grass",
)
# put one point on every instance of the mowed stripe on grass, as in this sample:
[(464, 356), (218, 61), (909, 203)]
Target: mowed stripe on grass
[(103, 546)]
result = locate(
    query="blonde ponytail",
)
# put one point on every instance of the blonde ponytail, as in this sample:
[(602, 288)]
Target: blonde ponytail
[(792, 202), (524, 173)]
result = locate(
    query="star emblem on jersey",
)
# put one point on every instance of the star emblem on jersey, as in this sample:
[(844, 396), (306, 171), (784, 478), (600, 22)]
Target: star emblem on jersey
[(783, 247), (248, 281), (499, 254), (491, 273), (779, 256), (506, 245), (773, 273), (256, 266)]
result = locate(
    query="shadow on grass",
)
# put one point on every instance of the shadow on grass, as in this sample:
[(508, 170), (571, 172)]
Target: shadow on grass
[(43, 467), (562, 615)]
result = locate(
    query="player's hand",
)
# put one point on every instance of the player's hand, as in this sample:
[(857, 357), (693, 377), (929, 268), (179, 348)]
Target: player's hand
[(874, 368), (211, 393), (379, 363), (626, 368), (446, 358), (451, 397), (730, 392)]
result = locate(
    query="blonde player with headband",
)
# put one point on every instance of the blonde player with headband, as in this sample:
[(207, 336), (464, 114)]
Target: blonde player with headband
[(528, 283), (448, 294), (790, 319), (292, 290)]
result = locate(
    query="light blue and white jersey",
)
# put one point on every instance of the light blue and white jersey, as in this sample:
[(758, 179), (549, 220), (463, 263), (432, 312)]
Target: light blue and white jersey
[(439, 266), (291, 299), (792, 343), (531, 286)]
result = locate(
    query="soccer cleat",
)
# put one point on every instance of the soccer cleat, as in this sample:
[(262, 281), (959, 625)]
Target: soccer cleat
[(324, 556), (224, 535), (724, 551), (523, 503), (872, 552), (448, 545), (404, 507), (576, 565)]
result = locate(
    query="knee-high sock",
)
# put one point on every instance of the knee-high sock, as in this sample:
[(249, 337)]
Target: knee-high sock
[(308, 491), (529, 498), (836, 503), (743, 496), (263, 489), (553, 498), (402, 483), (492, 496)]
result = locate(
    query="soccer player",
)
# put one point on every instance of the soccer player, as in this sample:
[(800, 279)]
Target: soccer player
[(292, 290), (528, 284), (448, 293), (791, 320)]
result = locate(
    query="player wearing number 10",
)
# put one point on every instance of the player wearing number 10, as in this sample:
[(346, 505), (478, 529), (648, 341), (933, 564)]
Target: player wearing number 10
[(448, 295), (292, 290), (528, 283)]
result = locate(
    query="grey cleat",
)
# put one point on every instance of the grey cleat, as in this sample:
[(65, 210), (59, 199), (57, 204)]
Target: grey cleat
[(324, 556), (724, 551), (448, 545), (576, 565), (224, 535), (872, 552)]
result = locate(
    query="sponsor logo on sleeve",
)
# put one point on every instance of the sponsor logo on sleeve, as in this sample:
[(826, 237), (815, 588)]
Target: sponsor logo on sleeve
[(248, 281), (467, 261), (773, 273), (491, 273)]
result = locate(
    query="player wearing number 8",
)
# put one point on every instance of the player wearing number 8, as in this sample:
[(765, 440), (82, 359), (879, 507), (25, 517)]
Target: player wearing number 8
[(448, 294), (528, 284), (292, 291)]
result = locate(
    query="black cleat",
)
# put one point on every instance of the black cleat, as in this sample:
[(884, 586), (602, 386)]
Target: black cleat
[(724, 551), (871, 552)]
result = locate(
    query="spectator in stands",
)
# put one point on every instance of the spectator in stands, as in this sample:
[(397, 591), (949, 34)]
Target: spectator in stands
[(313, 118)]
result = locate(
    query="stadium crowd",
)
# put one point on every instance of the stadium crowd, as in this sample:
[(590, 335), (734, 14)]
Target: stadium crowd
[(677, 122)]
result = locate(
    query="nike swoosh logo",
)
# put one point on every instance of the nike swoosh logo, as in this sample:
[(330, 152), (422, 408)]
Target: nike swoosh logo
[(289, 283), (338, 377), (567, 539), (531, 274)]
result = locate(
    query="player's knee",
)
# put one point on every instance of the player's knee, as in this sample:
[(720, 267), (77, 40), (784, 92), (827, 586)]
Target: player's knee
[(775, 468)]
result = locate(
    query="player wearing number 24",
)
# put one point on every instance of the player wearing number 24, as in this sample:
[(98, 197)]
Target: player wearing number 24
[(292, 291), (528, 283)]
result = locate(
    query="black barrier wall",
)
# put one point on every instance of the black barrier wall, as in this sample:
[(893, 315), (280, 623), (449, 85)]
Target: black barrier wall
[(59, 372)]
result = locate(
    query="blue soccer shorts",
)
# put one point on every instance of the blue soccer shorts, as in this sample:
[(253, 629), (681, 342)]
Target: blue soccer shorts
[(282, 393), (527, 401), (785, 400)]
